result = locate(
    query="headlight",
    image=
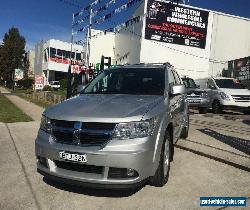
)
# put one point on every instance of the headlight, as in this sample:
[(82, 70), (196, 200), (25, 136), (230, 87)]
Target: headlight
[(46, 124), (204, 95), (224, 96), (133, 130)]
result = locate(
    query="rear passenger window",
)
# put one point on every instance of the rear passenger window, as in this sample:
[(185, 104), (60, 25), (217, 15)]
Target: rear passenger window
[(171, 79), (177, 78)]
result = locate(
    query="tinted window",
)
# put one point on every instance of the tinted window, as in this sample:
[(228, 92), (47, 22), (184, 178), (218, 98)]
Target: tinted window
[(129, 81), (52, 52), (171, 79), (177, 78), (228, 83), (189, 83)]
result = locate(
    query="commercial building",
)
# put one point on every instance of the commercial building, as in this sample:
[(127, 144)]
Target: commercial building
[(31, 63), (198, 42), (52, 59)]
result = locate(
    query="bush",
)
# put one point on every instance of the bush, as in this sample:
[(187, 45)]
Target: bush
[(63, 84), (47, 88), (25, 83)]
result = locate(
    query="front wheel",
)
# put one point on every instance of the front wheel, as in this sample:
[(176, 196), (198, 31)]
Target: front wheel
[(216, 107), (185, 130), (202, 110), (162, 173)]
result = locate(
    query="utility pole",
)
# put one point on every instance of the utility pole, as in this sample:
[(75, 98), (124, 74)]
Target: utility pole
[(69, 88), (88, 39)]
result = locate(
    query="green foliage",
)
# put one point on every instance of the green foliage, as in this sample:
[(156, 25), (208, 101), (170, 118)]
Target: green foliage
[(11, 53), (47, 88), (63, 84), (25, 83)]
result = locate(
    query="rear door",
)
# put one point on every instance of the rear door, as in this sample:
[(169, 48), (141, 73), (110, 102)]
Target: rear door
[(173, 103), (180, 105)]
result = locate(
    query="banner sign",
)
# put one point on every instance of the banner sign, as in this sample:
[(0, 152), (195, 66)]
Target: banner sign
[(175, 24), (240, 68), (39, 82)]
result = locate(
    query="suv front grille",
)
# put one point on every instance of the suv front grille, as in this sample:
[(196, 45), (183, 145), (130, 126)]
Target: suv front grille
[(241, 98), (79, 167), (194, 94), (81, 133)]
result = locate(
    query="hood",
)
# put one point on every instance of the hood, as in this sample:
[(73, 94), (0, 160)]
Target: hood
[(235, 91), (195, 90), (103, 108)]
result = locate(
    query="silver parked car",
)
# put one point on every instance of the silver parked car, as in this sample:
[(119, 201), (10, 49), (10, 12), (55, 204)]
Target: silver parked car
[(197, 97), (119, 132)]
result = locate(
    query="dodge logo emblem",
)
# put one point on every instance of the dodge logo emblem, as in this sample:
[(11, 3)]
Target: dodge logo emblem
[(77, 133)]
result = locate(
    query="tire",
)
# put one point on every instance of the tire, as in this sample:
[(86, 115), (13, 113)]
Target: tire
[(202, 110), (216, 107), (185, 130), (246, 112), (162, 173)]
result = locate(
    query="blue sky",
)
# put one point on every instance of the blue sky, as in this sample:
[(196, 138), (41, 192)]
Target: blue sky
[(43, 19)]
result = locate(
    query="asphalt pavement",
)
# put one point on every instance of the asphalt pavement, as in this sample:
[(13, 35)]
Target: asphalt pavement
[(213, 161)]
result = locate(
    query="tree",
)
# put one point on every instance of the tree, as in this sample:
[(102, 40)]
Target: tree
[(11, 53)]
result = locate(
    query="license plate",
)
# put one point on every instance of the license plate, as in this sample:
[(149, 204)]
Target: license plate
[(82, 158)]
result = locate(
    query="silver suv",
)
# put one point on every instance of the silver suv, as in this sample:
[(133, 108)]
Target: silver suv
[(197, 97), (119, 132)]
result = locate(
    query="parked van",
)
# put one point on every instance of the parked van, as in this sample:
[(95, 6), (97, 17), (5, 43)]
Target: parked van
[(227, 93)]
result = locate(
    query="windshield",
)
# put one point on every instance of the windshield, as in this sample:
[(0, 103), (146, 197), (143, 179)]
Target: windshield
[(229, 83), (148, 81), (189, 83)]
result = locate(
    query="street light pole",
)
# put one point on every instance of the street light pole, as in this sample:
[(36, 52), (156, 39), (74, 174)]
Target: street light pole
[(88, 39), (69, 88)]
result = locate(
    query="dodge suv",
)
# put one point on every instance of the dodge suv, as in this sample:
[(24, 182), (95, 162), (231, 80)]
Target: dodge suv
[(118, 132)]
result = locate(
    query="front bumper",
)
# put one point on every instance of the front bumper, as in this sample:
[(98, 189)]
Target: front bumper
[(233, 105), (136, 154)]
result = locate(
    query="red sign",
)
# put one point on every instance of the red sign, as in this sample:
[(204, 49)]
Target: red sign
[(39, 82)]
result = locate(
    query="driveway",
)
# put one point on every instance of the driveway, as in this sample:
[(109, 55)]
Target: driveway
[(213, 161)]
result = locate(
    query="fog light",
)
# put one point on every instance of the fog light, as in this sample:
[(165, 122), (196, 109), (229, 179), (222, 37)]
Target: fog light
[(131, 172), (117, 173)]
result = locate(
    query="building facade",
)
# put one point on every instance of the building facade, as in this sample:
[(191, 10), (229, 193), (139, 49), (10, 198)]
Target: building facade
[(197, 42), (52, 59)]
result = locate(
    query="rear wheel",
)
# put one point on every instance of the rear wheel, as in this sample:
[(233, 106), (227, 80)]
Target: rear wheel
[(184, 132), (246, 112), (202, 110), (216, 107), (162, 173)]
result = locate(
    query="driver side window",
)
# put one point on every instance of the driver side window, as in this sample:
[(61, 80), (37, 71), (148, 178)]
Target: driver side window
[(171, 79), (210, 84)]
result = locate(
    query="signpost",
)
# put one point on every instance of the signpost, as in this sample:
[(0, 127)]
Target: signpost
[(39, 82)]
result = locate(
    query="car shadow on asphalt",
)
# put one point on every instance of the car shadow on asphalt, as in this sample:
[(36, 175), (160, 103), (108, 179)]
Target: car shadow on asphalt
[(116, 193), (235, 165), (235, 142), (247, 122)]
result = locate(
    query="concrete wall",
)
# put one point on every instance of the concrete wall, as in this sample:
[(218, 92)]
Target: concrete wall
[(230, 41), (128, 41), (101, 45)]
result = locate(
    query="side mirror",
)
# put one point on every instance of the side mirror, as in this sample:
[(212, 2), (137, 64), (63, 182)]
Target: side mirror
[(178, 90)]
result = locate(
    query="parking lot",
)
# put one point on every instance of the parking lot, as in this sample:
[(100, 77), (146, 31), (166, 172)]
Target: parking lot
[(213, 161)]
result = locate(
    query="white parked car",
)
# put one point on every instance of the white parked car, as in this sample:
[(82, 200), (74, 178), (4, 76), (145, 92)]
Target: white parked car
[(227, 93), (55, 84)]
